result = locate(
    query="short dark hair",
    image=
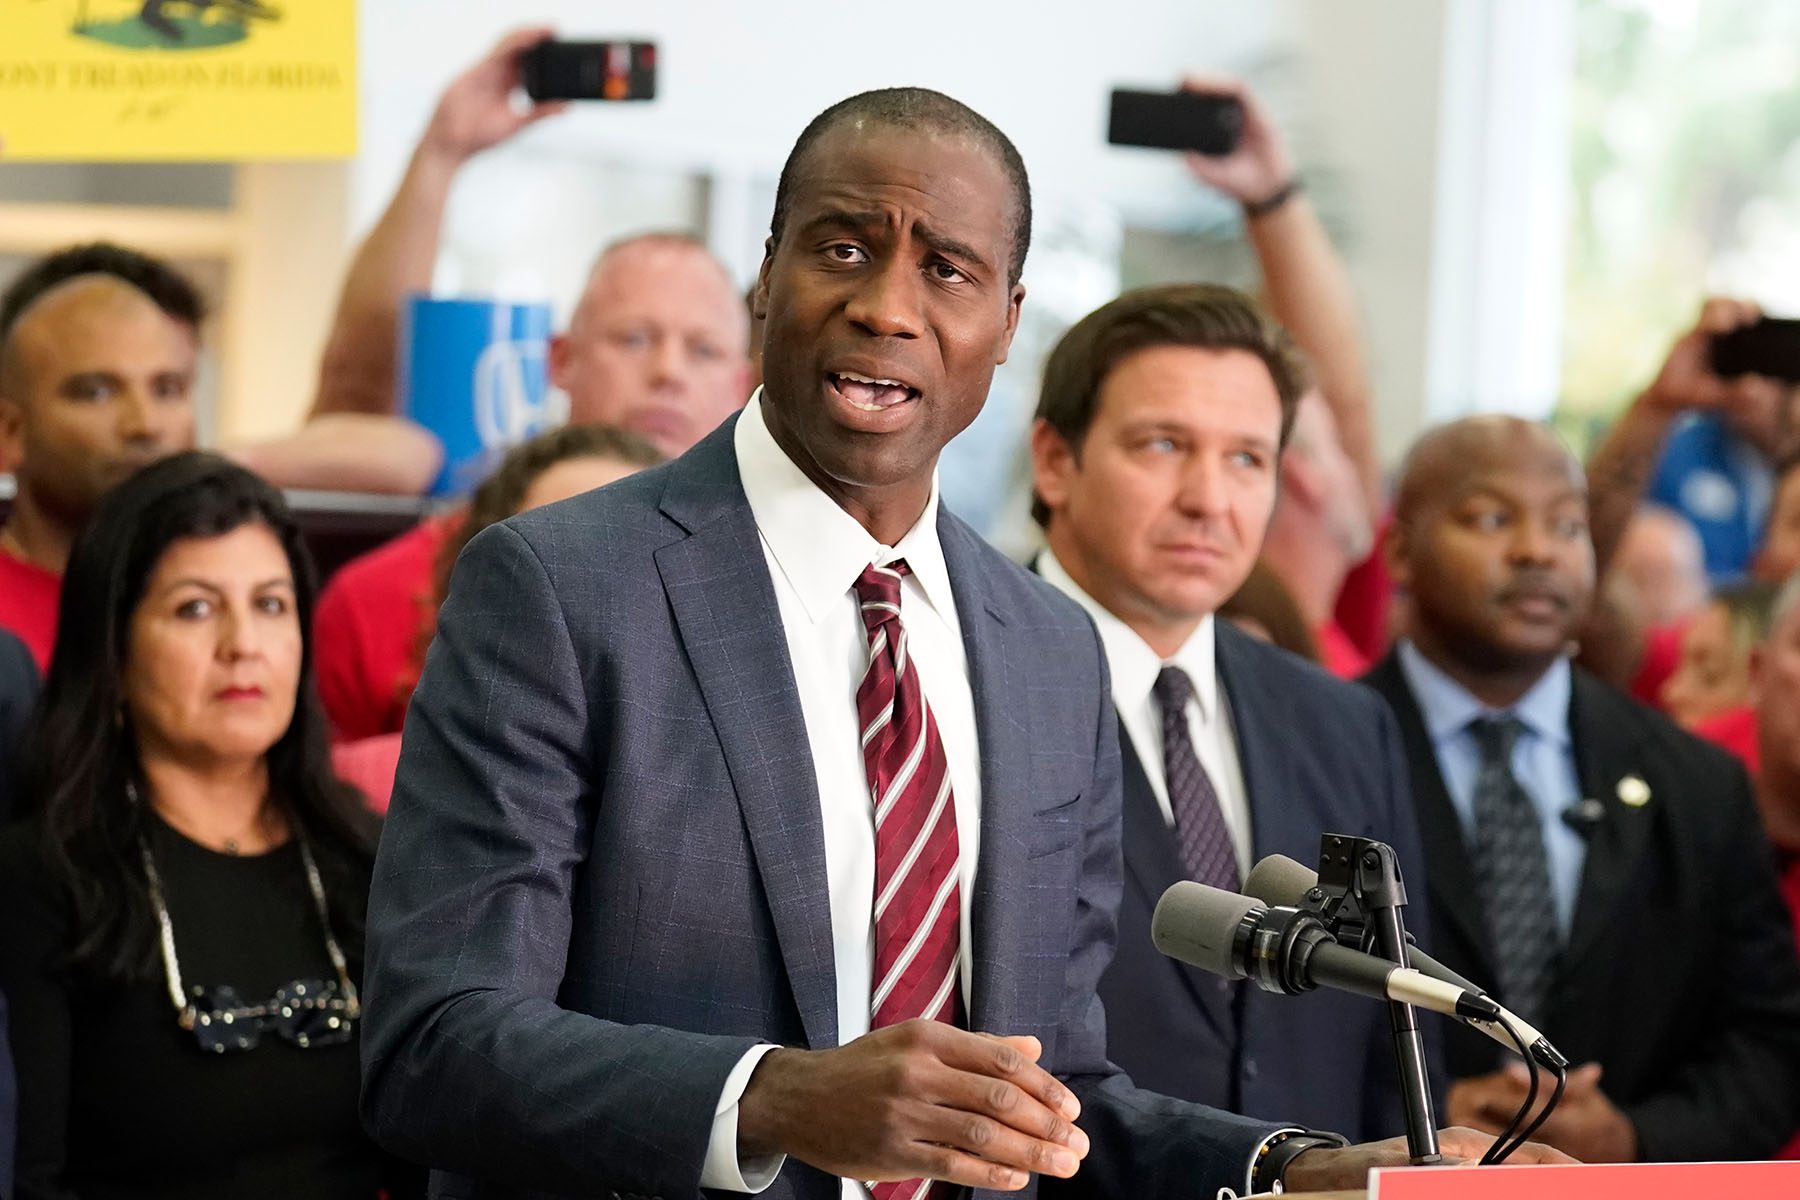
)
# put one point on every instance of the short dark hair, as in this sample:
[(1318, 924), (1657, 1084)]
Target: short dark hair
[(923, 109), (170, 290), (82, 754), (1201, 315)]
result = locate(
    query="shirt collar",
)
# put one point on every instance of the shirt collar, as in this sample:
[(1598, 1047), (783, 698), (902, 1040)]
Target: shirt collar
[(1134, 665), (817, 546), (1448, 707)]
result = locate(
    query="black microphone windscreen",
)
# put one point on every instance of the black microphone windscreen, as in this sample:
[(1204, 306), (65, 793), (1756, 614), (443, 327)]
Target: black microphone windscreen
[(1280, 882), (1196, 924)]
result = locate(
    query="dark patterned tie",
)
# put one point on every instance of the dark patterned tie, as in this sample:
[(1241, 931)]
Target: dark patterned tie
[(1512, 873), (1200, 831), (918, 909)]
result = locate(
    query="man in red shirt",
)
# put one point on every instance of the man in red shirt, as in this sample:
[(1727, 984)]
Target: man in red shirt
[(1320, 530), (658, 345), (98, 348)]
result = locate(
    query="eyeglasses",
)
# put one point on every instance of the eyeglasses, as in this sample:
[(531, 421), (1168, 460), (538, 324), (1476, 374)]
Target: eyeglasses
[(307, 1012)]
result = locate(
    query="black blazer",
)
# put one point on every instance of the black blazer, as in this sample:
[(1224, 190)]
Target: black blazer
[(1319, 756), (1680, 976)]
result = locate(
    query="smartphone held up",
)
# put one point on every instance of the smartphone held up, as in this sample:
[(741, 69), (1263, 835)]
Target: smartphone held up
[(610, 70), (1203, 122)]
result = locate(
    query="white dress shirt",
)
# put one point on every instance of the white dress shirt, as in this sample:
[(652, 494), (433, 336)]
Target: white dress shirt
[(1135, 666), (815, 552)]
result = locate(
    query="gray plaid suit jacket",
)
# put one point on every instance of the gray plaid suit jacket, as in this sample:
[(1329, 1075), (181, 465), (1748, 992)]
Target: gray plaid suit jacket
[(602, 878)]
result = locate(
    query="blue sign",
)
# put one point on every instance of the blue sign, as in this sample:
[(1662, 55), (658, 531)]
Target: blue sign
[(475, 373)]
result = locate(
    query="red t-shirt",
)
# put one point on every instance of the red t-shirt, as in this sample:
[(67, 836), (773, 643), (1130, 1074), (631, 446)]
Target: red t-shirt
[(1364, 603), (1735, 730), (29, 596), (1662, 654), (1342, 656), (367, 627)]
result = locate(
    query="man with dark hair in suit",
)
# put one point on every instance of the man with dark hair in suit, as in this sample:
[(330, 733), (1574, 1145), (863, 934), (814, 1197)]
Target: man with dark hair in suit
[(1602, 869), (1160, 426), (752, 809)]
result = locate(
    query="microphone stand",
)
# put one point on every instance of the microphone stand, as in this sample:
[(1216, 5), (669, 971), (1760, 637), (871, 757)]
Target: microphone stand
[(1360, 894)]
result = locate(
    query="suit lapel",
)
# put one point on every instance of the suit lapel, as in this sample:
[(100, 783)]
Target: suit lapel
[(1605, 756), (1454, 898), (999, 915), (729, 622), (1268, 777)]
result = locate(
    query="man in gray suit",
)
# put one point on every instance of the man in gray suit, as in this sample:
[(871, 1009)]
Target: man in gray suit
[(757, 825)]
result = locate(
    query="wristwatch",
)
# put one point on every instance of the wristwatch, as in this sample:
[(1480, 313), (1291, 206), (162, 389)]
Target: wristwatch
[(1273, 1159)]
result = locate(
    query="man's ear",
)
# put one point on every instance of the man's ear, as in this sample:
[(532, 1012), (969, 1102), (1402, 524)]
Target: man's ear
[(1396, 550), (1053, 465), (1015, 301), (759, 295), (12, 434)]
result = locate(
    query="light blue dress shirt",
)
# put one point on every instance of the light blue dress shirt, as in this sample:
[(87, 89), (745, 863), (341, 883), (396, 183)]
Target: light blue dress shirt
[(1543, 760)]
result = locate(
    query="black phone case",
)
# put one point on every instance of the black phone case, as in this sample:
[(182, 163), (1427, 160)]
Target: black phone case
[(1205, 124), (1770, 347), (590, 71)]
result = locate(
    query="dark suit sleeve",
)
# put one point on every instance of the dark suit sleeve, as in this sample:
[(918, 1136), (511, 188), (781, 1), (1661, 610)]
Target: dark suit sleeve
[(1737, 1095), (1142, 1143), (470, 1064), (34, 936)]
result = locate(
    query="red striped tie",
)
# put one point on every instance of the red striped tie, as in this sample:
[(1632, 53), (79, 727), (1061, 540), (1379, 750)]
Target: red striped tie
[(918, 907)]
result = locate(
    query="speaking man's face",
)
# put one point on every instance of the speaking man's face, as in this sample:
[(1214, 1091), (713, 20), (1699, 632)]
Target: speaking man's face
[(887, 303)]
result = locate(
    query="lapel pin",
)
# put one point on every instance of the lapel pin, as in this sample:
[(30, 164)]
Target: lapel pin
[(1633, 791)]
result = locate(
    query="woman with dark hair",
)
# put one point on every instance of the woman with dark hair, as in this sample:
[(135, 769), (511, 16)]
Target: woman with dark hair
[(181, 916)]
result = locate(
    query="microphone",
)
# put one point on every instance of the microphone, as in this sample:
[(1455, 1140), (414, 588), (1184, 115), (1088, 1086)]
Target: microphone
[(1279, 881), (1288, 951), (1584, 817)]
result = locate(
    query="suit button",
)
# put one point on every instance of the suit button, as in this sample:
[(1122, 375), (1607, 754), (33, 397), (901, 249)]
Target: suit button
[(1250, 1068)]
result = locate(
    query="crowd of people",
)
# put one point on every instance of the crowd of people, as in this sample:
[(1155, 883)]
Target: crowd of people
[(701, 805)]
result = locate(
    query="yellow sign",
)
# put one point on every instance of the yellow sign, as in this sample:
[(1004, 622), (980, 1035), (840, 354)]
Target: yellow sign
[(136, 80)]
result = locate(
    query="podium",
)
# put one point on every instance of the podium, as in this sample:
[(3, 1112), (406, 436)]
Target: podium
[(1596, 1181)]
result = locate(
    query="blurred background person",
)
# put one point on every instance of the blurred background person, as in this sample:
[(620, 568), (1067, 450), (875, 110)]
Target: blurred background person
[(98, 350), (1775, 688), (1661, 561), (1709, 691), (658, 346), (550, 467), (1779, 555), (1698, 443), (179, 781)]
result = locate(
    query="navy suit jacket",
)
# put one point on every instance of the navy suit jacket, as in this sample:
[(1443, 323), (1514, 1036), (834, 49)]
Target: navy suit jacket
[(1319, 756), (603, 879), (1679, 977)]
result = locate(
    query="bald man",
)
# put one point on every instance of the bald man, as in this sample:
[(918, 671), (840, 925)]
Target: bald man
[(1662, 565), (1602, 871), (658, 346), (98, 352)]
